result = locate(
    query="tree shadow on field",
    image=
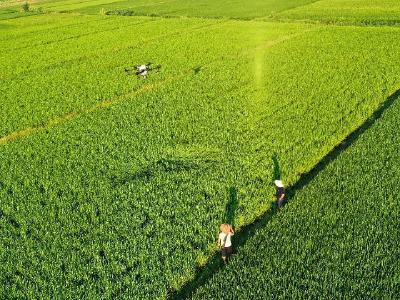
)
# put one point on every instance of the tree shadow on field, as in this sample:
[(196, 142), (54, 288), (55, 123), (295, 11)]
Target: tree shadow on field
[(203, 274)]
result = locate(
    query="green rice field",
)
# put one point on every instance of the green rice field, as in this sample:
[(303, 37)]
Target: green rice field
[(114, 186)]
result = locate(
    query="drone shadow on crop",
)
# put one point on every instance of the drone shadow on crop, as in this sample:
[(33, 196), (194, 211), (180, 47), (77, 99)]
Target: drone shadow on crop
[(203, 274)]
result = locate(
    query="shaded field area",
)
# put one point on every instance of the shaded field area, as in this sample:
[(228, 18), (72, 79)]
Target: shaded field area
[(338, 236)]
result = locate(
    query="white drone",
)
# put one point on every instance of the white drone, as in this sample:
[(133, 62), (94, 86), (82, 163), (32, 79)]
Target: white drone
[(141, 71)]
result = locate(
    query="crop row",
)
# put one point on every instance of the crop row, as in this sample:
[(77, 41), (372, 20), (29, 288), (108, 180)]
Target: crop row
[(369, 12), (348, 12), (111, 34), (56, 78), (203, 8)]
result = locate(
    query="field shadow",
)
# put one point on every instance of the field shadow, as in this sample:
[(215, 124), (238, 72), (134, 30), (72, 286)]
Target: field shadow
[(152, 170), (164, 165), (197, 69), (203, 274), (231, 206), (277, 168)]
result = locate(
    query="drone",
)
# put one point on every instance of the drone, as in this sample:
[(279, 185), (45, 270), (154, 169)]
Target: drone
[(141, 71)]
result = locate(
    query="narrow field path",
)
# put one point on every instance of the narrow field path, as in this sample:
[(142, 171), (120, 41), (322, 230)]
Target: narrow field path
[(203, 274)]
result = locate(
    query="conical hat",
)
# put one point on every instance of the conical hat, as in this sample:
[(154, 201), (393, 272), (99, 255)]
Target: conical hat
[(278, 183)]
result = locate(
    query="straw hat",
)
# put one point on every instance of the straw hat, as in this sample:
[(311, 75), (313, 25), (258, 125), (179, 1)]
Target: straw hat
[(226, 228)]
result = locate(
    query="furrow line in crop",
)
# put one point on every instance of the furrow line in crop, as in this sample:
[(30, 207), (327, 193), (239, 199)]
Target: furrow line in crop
[(394, 23), (72, 115), (32, 46), (283, 38), (44, 30), (277, 19), (203, 274), (119, 98), (75, 3), (83, 58), (166, 35)]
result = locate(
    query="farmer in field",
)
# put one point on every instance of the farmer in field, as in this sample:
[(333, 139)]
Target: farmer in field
[(280, 193), (224, 241)]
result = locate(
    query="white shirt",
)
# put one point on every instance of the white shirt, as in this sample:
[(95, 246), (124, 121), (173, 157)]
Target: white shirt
[(222, 237)]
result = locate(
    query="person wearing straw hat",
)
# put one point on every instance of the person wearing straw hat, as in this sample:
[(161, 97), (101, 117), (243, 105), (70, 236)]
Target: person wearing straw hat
[(224, 241), (280, 193)]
